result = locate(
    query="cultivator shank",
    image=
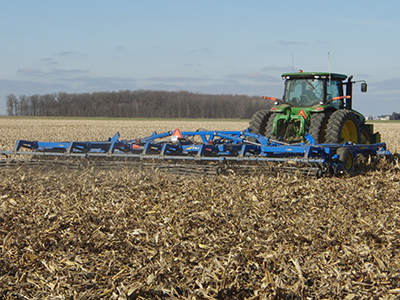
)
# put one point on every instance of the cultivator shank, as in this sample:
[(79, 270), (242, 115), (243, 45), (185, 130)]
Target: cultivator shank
[(218, 150)]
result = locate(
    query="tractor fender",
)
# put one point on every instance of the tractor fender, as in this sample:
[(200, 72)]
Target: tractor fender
[(283, 108)]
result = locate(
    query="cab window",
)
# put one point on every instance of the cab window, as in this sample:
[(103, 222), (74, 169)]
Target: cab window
[(304, 92), (333, 89)]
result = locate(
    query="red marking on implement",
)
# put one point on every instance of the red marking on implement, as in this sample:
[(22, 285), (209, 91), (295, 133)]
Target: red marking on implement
[(178, 134)]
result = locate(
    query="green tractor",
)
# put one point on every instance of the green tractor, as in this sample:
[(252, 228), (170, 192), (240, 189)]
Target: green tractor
[(316, 103)]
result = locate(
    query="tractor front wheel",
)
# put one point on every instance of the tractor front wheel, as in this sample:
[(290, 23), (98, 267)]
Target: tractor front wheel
[(342, 127), (259, 120)]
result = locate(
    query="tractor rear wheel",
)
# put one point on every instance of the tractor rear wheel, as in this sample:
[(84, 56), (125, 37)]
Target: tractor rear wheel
[(318, 126), (280, 131), (342, 127), (366, 136), (259, 120)]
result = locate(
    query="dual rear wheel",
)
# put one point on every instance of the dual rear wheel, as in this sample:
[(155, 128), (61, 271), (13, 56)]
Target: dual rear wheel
[(259, 121), (342, 127)]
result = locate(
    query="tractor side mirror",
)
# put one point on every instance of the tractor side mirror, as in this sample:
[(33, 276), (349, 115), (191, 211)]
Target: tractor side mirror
[(364, 87)]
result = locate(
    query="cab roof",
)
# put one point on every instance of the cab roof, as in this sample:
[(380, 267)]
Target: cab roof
[(312, 75)]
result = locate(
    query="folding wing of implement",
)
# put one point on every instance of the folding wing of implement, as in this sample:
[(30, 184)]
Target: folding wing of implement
[(222, 148)]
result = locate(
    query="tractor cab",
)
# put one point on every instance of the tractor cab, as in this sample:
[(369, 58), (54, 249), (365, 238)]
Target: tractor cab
[(310, 89)]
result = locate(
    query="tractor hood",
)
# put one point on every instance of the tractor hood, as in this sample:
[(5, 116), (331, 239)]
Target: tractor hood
[(286, 108)]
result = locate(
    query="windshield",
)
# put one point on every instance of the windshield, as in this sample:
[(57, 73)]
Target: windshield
[(304, 92)]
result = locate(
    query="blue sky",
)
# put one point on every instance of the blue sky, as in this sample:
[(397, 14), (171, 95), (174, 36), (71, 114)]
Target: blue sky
[(219, 47)]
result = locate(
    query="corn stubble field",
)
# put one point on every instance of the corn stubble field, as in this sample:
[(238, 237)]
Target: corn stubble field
[(129, 234)]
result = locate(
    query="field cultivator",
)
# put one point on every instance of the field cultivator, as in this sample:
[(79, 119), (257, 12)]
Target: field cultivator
[(202, 152)]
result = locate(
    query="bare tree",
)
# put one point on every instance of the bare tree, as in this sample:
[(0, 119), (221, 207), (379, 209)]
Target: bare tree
[(11, 104)]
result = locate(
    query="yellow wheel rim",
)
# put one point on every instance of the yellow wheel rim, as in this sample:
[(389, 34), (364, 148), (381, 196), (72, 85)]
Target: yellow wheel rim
[(348, 162), (349, 132)]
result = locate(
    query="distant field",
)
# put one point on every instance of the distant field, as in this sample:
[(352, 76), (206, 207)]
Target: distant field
[(130, 234)]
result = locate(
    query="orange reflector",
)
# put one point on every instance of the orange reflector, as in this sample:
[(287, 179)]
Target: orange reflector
[(178, 134), (341, 97), (319, 108), (274, 108), (303, 114), (135, 146), (269, 98)]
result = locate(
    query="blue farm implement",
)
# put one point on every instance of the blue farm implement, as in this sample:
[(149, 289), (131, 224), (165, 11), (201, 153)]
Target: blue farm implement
[(216, 150)]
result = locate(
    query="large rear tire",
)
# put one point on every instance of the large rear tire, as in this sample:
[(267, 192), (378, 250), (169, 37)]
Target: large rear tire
[(259, 120), (342, 127), (318, 126), (366, 136), (280, 130)]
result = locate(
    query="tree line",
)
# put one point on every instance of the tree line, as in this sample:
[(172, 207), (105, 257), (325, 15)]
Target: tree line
[(395, 116), (136, 104)]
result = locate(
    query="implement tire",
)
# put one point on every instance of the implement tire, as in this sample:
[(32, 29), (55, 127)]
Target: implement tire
[(318, 126), (342, 127), (346, 158), (259, 120)]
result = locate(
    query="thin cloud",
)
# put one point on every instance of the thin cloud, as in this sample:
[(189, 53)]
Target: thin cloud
[(64, 53), (63, 72), (290, 42), (176, 79), (193, 65), (49, 61), (389, 86), (275, 68), (31, 72), (251, 76), (363, 75), (105, 83), (53, 72)]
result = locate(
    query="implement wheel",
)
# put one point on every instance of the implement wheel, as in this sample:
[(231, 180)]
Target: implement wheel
[(342, 127), (259, 120), (346, 158), (318, 126)]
